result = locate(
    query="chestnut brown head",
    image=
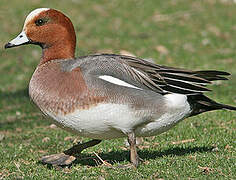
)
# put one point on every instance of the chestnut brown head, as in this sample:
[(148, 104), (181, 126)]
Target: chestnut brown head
[(47, 28)]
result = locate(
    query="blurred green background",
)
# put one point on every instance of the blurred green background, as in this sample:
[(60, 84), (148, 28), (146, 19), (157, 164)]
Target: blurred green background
[(189, 34)]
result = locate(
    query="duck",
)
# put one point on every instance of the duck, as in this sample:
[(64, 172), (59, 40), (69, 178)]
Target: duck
[(107, 96)]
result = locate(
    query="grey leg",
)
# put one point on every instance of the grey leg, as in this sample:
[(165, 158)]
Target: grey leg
[(133, 150), (78, 148)]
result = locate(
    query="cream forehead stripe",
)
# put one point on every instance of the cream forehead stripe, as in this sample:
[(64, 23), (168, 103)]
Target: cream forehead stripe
[(33, 14)]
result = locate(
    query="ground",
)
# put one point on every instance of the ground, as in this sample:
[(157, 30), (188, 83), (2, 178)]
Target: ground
[(188, 34)]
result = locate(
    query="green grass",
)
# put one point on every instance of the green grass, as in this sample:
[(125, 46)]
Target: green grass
[(197, 35)]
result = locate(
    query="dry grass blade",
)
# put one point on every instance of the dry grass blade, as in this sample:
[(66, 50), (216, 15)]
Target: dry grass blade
[(103, 162), (183, 141)]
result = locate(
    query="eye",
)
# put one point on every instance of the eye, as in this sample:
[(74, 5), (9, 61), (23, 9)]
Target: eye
[(40, 22)]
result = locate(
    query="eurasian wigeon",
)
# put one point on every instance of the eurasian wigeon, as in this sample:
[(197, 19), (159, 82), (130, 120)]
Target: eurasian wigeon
[(107, 96)]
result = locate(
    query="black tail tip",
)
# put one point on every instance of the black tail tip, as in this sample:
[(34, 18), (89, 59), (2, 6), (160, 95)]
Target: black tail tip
[(228, 107)]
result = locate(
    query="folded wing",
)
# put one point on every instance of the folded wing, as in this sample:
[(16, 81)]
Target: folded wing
[(163, 79)]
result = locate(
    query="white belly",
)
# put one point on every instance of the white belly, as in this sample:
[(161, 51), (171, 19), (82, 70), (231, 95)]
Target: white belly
[(107, 121), (104, 121)]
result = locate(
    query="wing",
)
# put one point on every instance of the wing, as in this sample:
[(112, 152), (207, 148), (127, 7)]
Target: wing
[(168, 79), (146, 75)]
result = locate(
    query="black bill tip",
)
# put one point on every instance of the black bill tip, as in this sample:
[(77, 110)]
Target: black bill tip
[(9, 45)]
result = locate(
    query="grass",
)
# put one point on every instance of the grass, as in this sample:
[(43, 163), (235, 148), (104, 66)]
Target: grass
[(190, 34)]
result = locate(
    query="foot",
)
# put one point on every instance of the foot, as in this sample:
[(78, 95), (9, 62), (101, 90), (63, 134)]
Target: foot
[(58, 159), (126, 166), (66, 158), (130, 165)]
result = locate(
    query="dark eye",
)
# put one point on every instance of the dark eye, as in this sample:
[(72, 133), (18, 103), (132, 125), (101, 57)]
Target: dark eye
[(40, 22)]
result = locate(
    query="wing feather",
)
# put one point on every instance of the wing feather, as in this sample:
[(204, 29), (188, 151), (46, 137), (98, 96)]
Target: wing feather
[(164, 79)]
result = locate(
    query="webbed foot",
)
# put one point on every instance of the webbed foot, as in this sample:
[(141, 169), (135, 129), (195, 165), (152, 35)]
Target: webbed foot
[(60, 159)]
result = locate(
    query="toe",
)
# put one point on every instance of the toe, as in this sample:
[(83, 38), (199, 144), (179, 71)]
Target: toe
[(58, 159)]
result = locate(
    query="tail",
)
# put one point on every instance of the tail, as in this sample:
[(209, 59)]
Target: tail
[(200, 103)]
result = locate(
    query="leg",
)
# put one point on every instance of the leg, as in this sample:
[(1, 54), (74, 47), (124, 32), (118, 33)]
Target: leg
[(78, 148), (68, 156), (133, 150)]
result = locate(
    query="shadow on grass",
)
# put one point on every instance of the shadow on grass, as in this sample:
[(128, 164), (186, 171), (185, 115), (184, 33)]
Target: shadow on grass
[(113, 157), (22, 93), (120, 156)]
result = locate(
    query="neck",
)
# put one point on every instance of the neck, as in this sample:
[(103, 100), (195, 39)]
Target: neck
[(63, 50)]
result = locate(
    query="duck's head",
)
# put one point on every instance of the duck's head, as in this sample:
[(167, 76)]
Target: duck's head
[(51, 30)]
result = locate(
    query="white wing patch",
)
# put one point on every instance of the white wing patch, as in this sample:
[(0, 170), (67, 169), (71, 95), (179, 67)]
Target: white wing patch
[(117, 81)]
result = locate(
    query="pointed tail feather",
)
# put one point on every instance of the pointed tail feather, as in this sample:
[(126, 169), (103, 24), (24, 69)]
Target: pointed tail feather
[(224, 106), (201, 103)]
